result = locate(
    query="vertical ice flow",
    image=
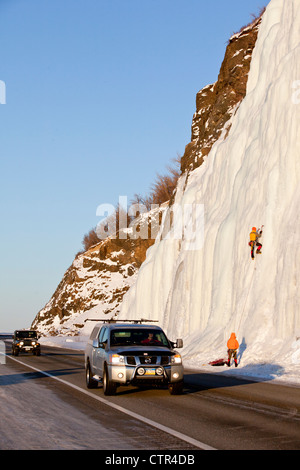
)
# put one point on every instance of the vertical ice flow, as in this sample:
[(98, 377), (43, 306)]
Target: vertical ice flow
[(251, 178)]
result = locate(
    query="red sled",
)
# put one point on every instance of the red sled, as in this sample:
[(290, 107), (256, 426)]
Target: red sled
[(218, 362)]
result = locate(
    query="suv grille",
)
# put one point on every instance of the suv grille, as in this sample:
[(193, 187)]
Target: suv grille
[(148, 359)]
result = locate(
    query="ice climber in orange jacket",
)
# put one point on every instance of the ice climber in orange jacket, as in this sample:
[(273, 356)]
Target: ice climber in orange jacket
[(254, 243), (232, 345)]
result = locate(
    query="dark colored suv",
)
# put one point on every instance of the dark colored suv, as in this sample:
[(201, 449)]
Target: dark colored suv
[(25, 341)]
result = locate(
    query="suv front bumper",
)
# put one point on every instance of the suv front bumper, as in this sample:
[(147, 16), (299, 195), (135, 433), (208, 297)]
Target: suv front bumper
[(125, 374), (27, 348)]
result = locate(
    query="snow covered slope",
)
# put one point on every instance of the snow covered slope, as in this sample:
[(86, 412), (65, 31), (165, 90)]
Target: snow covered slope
[(250, 179)]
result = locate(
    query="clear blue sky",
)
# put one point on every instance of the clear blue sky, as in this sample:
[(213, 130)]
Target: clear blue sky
[(100, 96)]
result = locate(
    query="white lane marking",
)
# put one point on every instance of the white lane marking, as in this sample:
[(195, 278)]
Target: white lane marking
[(159, 426)]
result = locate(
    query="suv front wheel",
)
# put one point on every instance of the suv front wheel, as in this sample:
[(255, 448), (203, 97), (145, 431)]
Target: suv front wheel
[(90, 382), (109, 387), (175, 388)]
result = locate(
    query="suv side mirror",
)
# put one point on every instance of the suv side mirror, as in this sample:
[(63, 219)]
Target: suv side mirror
[(95, 343), (177, 344)]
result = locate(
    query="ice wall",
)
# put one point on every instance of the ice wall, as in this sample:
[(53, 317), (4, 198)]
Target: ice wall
[(249, 179)]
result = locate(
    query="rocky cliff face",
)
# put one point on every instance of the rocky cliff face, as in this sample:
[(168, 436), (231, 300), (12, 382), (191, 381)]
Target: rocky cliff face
[(216, 103), (88, 282), (95, 283)]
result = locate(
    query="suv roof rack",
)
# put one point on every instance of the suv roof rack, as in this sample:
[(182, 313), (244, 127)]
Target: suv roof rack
[(110, 320)]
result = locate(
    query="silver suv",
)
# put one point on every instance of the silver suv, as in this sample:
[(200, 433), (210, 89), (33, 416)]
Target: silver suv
[(137, 354)]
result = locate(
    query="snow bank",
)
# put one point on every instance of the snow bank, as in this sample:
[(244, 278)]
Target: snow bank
[(249, 179), (63, 341)]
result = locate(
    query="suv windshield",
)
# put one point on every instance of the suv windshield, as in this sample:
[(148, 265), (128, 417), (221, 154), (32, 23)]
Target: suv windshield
[(127, 336), (26, 334)]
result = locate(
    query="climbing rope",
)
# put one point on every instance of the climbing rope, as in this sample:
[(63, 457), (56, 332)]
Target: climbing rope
[(260, 230), (250, 285)]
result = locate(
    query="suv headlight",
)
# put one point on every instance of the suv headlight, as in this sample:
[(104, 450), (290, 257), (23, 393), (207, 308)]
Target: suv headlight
[(116, 359), (176, 359)]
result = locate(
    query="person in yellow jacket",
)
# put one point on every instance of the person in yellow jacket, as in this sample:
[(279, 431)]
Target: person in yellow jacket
[(254, 236), (232, 345)]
